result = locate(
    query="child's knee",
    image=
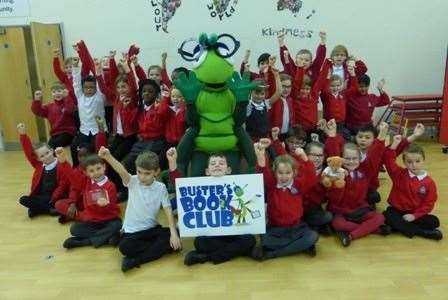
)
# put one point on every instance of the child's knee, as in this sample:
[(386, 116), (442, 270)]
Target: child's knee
[(311, 237), (337, 222)]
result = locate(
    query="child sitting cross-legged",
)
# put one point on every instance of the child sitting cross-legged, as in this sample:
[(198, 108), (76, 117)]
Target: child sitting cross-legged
[(286, 234), (143, 239), (216, 249), (99, 222), (413, 194)]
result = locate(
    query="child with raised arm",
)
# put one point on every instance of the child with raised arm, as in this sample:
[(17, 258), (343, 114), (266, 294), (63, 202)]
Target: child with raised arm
[(50, 180), (282, 111), (364, 139), (286, 234), (413, 194), (143, 239), (172, 111), (341, 62), (150, 126), (313, 213), (99, 222), (215, 249), (59, 114), (334, 96), (262, 63), (304, 58), (361, 105), (305, 96), (260, 103), (353, 216), (90, 100)]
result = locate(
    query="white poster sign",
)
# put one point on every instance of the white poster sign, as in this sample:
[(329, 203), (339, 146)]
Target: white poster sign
[(227, 205)]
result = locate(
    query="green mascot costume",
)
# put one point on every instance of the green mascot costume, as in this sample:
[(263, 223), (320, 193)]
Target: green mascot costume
[(217, 99)]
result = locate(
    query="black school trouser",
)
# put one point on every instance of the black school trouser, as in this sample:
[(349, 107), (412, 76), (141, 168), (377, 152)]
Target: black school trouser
[(146, 245), (156, 146), (61, 140), (119, 147), (284, 241), (38, 204), (81, 140), (99, 233), (224, 248), (394, 218)]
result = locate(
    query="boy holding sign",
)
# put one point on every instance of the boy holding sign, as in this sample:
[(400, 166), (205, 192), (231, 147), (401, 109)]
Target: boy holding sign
[(216, 249), (144, 240)]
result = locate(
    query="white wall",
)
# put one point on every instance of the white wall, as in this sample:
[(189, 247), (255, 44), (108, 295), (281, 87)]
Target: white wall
[(403, 41)]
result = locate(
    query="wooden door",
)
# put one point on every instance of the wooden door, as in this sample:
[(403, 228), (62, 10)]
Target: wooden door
[(45, 38), (15, 87)]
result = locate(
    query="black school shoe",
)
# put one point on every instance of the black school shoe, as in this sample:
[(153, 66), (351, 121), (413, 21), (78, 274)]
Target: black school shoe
[(129, 263), (325, 230), (344, 237), (257, 253), (194, 257), (311, 251), (53, 212), (32, 213), (75, 242), (385, 229), (434, 234)]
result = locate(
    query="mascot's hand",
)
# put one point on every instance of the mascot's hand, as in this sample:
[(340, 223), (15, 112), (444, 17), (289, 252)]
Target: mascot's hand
[(188, 86), (241, 87)]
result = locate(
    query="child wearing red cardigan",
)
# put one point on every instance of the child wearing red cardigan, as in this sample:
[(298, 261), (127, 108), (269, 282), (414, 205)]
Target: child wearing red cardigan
[(70, 207), (50, 181), (353, 216), (282, 111), (172, 111), (151, 129), (59, 114), (305, 94), (313, 213), (286, 234), (364, 139), (334, 96), (342, 62), (413, 194), (361, 105), (99, 223), (304, 58)]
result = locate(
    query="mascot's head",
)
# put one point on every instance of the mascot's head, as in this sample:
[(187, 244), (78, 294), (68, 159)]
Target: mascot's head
[(210, 56)]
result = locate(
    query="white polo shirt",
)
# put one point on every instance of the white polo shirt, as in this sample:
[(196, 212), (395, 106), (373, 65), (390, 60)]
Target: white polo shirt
[(144, 204)]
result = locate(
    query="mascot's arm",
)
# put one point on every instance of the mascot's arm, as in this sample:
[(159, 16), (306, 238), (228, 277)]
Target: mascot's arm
[(241, 87), (189, 86)]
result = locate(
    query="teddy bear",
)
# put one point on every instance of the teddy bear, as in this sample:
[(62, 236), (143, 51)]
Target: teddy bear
[(332, 173)]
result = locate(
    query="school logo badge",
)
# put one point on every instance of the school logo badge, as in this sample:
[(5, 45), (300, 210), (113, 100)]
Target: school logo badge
[(422, 190), (222, 9), (163, 12), (226, 205)]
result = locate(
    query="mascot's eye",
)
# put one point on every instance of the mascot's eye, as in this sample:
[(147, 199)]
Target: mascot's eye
[(191, 50), (197, 62), (226, 45)]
